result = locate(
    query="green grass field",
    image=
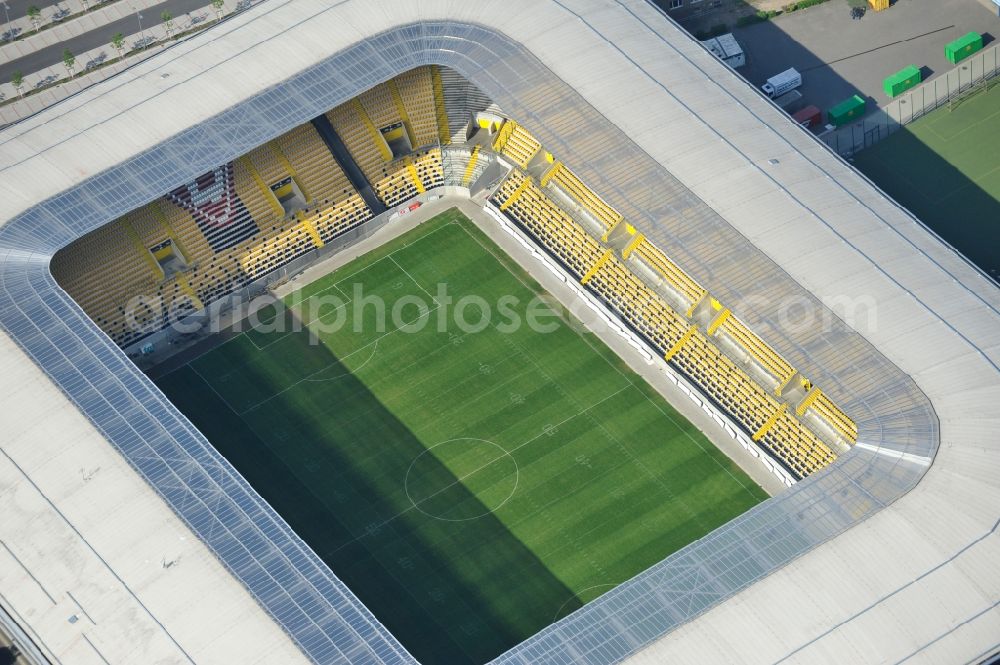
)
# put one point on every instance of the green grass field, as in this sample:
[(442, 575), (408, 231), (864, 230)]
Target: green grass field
[(944, 168), (469, 487)]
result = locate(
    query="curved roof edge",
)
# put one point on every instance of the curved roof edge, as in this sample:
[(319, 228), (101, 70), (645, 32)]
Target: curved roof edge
[(591, 81)]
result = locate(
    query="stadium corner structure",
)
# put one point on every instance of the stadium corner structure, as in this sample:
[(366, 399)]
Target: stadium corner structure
[(839, 340)]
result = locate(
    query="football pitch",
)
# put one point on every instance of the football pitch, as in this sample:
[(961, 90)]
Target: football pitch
[(470, 483), (945, 169)]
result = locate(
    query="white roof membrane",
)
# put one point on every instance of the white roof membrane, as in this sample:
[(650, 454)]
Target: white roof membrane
[(883, 556)]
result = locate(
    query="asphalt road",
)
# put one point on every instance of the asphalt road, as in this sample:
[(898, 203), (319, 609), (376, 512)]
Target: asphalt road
[(839, 57), (151, 24), (19, 8)]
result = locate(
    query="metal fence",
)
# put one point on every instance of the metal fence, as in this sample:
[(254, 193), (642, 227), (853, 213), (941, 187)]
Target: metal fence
[(968, 76)]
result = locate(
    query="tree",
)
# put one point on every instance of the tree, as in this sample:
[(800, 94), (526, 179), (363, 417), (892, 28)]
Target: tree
[(168, 23), (35, 14), (70, 61), (118, 43), (17, 80), (218, 6)]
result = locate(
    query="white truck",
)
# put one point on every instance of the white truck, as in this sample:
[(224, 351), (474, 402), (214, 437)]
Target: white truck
[(781, 83), (728, 49)]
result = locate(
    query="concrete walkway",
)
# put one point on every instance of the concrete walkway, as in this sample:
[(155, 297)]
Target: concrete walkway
[(51, 54), (55, 73), (53, 31)]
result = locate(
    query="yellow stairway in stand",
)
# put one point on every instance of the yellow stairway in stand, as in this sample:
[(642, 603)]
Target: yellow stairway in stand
[(470, 169)]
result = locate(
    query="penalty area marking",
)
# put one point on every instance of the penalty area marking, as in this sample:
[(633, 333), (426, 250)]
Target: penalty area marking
[(576, 596), (351, 371), (504, 454)]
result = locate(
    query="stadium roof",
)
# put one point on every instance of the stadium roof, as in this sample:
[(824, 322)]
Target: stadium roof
[(889, 554)]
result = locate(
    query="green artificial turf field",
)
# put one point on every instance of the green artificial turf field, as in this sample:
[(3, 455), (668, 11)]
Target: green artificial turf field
[(945, 169), (469, 487)]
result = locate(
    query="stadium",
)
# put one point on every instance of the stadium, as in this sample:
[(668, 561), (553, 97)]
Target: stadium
[(758, 427)]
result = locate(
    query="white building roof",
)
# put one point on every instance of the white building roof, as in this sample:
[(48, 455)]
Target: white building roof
[(94, 565), (869, 560)]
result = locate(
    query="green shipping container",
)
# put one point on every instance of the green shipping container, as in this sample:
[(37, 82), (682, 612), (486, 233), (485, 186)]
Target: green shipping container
[(963, 47), (846, 111), (901, 81)]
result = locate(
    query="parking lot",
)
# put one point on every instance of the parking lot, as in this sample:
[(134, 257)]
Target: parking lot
[(839, 56)]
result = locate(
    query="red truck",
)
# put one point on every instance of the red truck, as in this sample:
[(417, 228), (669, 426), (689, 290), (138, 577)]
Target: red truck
[(810, 116)]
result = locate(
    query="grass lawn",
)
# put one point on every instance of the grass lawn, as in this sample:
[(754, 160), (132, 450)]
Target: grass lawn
[(470, 487), (945, 169)]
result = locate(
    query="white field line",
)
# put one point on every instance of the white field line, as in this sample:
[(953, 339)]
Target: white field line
[(335, 310), (336, 285), (416, 388), (405, 272), (459, 479), (352, 371), (335, 360), (658, 407), (548, 379), (529, 288), (695, 516), (217, 393)]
